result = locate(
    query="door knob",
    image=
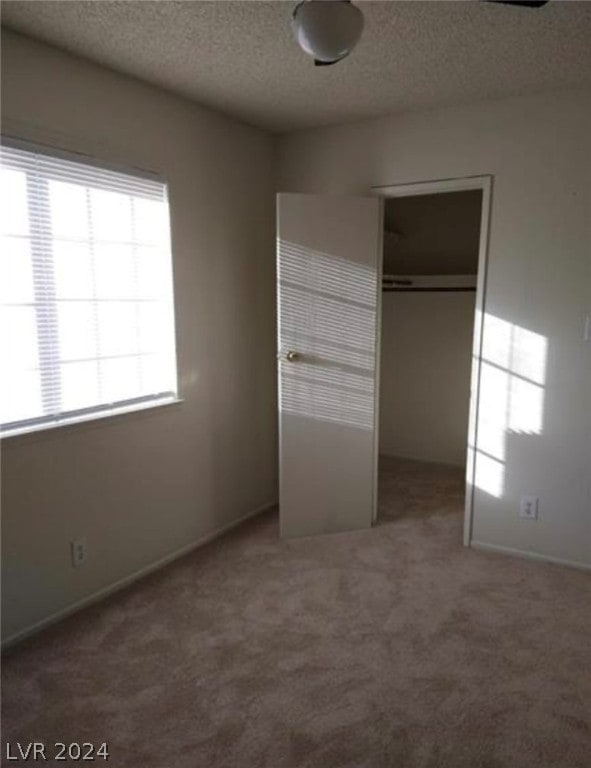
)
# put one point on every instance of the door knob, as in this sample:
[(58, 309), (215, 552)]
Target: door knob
[(292, 356)]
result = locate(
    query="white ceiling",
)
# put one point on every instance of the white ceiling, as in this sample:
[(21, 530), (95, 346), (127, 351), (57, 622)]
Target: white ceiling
[(238, 55)]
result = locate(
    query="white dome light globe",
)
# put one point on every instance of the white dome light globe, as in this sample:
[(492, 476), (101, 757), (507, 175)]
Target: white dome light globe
[(327, 29)]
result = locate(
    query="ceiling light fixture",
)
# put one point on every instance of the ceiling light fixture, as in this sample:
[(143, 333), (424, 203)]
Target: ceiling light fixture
[(327, 30)]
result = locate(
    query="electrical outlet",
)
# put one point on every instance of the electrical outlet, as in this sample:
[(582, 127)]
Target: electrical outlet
[(528, 507), (79, 552)]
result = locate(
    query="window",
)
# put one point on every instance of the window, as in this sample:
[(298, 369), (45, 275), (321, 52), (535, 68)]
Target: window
[(86, 299)]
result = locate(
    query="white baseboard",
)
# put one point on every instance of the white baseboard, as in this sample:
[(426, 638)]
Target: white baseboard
[(127, 580), (530, 555)]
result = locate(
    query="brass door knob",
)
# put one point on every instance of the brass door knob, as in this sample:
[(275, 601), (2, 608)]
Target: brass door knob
[(292, 356)]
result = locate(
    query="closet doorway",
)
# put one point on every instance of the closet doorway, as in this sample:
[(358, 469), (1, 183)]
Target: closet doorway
[(432, 290)]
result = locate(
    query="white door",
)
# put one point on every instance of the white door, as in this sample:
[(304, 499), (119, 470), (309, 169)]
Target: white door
[(328, 278)]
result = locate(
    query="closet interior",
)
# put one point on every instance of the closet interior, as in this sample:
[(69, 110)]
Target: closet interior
[(430, 264)]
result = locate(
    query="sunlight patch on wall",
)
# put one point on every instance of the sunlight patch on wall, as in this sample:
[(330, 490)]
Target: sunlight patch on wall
[(512, 379), (327, 313), (490, 473)]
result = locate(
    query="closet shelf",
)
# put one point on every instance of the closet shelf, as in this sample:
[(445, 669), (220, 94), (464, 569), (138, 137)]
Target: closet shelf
[(428, 283)]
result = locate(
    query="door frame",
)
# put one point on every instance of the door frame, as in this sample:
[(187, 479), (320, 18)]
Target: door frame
[(483, 183)]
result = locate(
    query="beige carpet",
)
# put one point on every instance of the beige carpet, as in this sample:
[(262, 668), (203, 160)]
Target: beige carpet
[(393, 647)]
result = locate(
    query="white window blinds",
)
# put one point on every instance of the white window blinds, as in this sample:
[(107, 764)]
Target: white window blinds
[(86, 299)]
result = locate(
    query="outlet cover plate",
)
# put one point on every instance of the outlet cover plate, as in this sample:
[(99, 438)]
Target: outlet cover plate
[(528, 507), (79, 552)]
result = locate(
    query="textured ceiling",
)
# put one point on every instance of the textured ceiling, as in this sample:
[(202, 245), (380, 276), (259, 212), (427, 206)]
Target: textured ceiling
[(238, 55)]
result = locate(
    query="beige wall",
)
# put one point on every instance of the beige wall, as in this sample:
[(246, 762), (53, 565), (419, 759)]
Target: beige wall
[(535, 417), (425, 375), (141, 486)]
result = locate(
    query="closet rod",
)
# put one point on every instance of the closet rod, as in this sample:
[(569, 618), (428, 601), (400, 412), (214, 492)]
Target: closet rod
[(439, 283), (396, 289)]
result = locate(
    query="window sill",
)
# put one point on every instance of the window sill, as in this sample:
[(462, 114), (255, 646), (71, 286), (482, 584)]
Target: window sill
[(88, 420)]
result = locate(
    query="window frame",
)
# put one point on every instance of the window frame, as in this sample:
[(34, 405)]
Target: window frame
[(38, 424)]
